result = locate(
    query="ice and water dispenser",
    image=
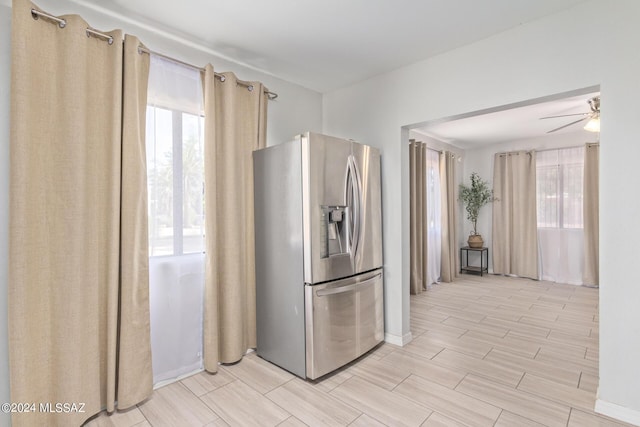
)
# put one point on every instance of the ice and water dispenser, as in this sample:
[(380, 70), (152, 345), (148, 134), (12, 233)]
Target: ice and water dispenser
[(334, 231)]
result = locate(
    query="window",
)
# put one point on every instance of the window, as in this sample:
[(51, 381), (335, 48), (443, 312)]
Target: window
[(175, 162), (559, 176)]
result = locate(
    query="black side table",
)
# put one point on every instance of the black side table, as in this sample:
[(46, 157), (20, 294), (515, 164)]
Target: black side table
[(484, 260)]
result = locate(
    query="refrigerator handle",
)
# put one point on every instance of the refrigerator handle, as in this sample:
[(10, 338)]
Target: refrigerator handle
[(348, 201), (333, 291), (358, 199), (348, 288), (353, 200)]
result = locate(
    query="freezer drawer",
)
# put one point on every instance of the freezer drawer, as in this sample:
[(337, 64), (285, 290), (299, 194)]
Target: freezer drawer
[(344, 319)]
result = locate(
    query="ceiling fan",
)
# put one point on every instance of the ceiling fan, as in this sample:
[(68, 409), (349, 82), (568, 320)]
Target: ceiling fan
[(593, 125)]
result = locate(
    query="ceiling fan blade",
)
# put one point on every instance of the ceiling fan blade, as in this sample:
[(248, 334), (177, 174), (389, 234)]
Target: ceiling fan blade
[(565, 115), (568, 124)]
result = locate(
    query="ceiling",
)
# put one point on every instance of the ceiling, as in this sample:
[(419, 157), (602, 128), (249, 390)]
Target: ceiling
[(328, 44), (510, 124)]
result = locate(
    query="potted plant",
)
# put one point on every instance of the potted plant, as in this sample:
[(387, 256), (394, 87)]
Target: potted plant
[(474, 198)]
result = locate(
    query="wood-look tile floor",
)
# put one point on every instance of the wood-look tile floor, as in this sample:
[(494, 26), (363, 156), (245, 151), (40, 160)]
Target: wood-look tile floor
[(486, 351)]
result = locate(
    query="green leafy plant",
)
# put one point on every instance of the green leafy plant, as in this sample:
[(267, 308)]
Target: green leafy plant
[(475, 197)]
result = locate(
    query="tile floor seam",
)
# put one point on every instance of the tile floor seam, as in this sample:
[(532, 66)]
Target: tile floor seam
[(521, 378), (487, 353), (145, 417), (284, 409), (530, 395), (357, 409), (403, 380), (580, 379)]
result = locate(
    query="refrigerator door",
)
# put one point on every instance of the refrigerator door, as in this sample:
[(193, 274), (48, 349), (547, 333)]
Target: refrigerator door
[(344, 320), (328, 208), (368, 253)]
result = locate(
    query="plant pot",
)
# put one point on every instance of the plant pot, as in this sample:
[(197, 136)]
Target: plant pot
[(475, 241)]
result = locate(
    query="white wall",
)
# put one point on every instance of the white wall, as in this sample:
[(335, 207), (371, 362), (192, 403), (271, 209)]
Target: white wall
[(590, 44), (619, 208), (296, 110), (5, 73), (480, 160)]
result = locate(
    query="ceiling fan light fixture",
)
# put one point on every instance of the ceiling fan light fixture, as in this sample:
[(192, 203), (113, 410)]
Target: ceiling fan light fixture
[(593, 125)]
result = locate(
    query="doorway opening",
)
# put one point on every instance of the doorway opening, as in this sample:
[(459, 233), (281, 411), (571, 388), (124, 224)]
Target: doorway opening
[(475, 138)]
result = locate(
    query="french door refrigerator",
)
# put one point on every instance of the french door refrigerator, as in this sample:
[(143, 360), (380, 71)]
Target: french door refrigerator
[(318, 239)]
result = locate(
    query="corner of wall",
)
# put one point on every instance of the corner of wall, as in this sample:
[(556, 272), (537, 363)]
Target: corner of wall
[(397, 339)]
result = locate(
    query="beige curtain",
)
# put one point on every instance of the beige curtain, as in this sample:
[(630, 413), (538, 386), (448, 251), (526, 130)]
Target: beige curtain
[(235, 126), (450, 259), (418, 216), (78, 285), (134, 370), (515, 241), (590, 215)]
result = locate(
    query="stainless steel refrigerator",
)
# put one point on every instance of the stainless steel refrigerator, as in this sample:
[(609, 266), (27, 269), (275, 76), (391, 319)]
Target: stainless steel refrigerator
[(318, 236)]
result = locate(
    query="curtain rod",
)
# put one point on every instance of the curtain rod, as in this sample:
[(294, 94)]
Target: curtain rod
[(566, 148), (517, 152), (36, 14), (109, 39), (411, 141), (549, 149), (221, 77)]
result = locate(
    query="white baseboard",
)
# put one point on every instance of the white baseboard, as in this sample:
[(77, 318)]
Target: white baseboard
[(183, 373), (618, 412), (397, 339)]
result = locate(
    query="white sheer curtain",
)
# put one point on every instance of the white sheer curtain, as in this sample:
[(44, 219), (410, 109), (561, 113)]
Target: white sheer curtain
[(176, 221), (559, 191), (434, 217)]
